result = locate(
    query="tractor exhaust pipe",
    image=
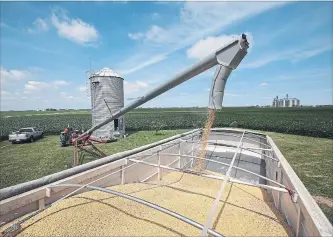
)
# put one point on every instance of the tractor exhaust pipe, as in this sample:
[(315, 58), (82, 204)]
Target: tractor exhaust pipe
[(227, 58)]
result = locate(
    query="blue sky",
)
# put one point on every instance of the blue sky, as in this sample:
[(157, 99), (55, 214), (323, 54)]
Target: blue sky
[(46, 46)]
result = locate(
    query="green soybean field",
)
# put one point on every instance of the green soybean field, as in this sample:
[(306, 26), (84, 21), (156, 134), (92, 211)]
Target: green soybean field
[(308, 121)]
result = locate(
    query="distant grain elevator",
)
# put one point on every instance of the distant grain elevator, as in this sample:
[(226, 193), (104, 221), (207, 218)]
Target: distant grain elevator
[(286, 102), (107, 96)]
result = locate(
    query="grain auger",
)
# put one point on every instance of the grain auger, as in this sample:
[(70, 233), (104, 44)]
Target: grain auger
[(226, 59)]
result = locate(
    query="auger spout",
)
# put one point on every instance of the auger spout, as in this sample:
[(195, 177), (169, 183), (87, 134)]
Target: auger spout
[(228, 59)]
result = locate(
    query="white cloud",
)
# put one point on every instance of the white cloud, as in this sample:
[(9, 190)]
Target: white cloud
[(38, 95), (135, 36), (82, 88), (155, 34), (60, 83), (293, 55), (206, 46), (6, 95), (32, 86), (183, 94), (266, 98), (75, 30), (155, 16), (70, 97), (13, 74), (6, 26), (314, 19), (198, 20), (263, 84), (132, 87), (39, 25), (318, 73), (309, 53), (3, 25), (50, 51), (233, 95), (146, 63)]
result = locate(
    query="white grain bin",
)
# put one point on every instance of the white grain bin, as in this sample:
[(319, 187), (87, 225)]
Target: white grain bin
[(294, 102), (287, 102), (107, 96)]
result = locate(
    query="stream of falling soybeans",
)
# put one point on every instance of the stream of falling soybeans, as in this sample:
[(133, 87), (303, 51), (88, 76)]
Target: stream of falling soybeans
[(204, 141)]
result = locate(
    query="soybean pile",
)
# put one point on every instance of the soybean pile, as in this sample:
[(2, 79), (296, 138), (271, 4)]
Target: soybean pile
[(307, 121), (242, 211)]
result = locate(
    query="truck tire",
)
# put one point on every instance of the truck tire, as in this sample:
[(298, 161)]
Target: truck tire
[(32, 139)]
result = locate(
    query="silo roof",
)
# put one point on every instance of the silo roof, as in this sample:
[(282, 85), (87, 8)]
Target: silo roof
[(107, 72)]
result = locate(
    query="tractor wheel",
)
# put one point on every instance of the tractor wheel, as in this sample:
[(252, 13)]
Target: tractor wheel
[(62, 143)]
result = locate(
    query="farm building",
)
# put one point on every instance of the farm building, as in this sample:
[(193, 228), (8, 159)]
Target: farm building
[(286, 102), (107, 97)]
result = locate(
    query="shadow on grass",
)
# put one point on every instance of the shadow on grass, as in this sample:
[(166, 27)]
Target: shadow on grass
[(154, 132), (129, 133), (328, 211), (39, 139)]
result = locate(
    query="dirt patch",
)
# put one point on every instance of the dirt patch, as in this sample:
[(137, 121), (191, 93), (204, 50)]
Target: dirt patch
[(324, 200)]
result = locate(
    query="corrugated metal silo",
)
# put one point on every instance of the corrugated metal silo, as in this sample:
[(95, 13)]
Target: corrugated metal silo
[(107, 96), (281, 103), (294, 102)]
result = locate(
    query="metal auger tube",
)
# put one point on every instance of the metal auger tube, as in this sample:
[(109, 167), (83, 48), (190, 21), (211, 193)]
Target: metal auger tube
[(229, 56)]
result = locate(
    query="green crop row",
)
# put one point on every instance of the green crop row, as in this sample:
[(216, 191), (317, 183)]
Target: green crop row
[(315, 122)]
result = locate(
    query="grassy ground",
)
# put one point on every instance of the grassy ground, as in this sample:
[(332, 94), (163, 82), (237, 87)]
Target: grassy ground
[(311, 158), (29, 161)]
